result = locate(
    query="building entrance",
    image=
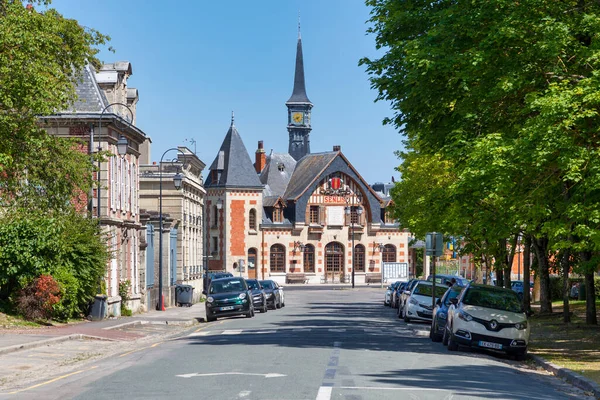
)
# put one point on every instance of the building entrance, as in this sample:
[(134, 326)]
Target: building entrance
[(334, 262)]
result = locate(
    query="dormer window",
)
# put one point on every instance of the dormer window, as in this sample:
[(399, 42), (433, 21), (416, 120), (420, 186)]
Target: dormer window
[(277, 214), (281, 167)]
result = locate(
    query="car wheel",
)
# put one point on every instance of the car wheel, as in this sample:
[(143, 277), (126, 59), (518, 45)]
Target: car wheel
[(406, 319), (278, 304), (445, 337), (435, 337), (211, 319), (521, 356), (452, 345)]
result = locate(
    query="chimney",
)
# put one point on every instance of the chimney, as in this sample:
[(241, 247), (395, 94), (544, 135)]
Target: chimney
[(261, 158), (337, 148)]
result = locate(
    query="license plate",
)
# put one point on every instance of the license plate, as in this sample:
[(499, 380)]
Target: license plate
[(227, 308), (490, 345)]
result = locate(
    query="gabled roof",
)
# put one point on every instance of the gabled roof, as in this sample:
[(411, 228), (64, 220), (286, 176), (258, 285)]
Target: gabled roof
[(271, 201), (310, 168), (299, 92), (307, 170), (90, 98), (277, 172), (234, 164)]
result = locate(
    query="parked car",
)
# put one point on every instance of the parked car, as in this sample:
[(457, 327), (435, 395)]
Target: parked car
[(440, 313), (517, 287), (228, 297), (397, 293), (259, 297), (419, 304), (274, 293), (213, 275), (487, 317), (387, 299), (404, 295), (446, 279)]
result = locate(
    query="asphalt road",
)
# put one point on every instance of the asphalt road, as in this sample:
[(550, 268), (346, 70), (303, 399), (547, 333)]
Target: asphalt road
[(325, 344)]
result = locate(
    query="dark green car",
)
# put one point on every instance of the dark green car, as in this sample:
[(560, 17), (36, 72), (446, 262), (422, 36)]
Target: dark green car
[(227, 297)]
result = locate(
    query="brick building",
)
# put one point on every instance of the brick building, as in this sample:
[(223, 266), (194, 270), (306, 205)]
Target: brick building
[(297, 212)]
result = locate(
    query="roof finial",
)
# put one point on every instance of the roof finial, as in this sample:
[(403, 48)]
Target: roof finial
[(299, 36), (232, 117)]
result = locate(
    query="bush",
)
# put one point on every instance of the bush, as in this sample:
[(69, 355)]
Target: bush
[(124, 287), (36, 300)]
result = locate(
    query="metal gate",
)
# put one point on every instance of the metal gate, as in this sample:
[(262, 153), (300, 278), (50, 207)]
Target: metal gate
[(150, 256), (173, 255)]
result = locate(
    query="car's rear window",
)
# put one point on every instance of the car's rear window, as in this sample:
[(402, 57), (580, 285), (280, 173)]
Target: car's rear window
[(267, 284), (493, 298)]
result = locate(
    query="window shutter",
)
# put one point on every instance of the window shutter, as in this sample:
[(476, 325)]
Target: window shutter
[(111, 189), (321, 215)]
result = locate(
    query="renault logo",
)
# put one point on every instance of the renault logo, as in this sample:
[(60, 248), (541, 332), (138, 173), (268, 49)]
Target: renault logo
[(493, 324)]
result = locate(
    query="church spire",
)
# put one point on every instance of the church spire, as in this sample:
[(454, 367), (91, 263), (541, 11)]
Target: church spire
[(299, 92)]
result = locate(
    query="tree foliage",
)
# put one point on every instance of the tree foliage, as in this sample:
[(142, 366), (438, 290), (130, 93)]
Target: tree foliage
[(505, 95)]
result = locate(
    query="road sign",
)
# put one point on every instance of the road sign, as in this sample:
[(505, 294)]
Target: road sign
[(434, 243)]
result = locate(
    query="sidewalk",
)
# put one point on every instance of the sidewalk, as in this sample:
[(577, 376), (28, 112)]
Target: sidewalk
[(108, 329)]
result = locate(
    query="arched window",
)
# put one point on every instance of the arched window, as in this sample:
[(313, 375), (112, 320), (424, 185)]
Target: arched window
[(359, 258), (309, 258), (252, 220), (389, 253), (277, 258)]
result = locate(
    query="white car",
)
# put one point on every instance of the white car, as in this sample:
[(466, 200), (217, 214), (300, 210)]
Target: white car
[(418, 305), (487, 317)]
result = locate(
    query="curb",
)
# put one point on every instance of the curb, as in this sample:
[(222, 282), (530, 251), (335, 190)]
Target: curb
[(570, 376), (39, 343)]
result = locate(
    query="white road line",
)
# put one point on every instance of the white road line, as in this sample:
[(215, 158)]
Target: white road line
[(336, 330), (201, 333), (233, 332), (261, 332), (324, 393), (301, 330), (243, 394)]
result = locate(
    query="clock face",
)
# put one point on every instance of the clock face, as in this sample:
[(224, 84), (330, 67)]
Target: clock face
[(297, 117)]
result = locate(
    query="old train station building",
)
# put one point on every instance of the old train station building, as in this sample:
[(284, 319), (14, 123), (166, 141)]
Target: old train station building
[(297, 216)]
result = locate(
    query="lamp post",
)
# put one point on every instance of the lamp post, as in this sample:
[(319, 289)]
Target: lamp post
[(359, 211), (177, 181), (219, 208), (122, 145)]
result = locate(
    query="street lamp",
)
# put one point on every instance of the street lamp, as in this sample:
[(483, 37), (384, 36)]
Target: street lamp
[(359, 212), (177, 180)]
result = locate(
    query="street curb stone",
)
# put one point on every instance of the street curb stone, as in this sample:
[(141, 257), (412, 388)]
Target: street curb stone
[(44, 342), (570, 376)]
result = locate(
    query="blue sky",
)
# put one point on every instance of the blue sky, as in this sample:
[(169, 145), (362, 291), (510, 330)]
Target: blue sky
[(196, 61)]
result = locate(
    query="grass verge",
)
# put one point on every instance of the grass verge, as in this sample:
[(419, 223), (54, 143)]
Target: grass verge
[(575, 345)]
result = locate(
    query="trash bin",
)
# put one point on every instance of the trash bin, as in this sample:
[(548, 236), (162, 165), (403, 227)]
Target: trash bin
[(98, 308), (184, 295)]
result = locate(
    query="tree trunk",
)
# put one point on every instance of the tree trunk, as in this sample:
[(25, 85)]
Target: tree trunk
[(541, 251), (590, 300), (527, 274), (565, 270), (500, 262), (509, 261)]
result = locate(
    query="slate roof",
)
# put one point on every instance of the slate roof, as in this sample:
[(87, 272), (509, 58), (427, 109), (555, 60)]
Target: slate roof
[(307, 170), (90, 98), (234, 163), (299, 92), (277, 172)]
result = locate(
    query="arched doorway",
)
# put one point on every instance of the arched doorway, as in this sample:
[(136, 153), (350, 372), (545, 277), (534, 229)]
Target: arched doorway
[(334, 262), (252, 258)]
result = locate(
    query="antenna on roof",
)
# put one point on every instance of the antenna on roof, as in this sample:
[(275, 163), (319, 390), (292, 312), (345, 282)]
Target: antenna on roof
[(232, 117), (299, 36)]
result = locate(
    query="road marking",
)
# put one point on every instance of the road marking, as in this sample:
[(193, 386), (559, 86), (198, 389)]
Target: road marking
[(202, 333), (244, 393), (195, 374), (53, 380), (336, 330), (324, 393), (301, 330), (232, 332), (262, 332), (140, 349)]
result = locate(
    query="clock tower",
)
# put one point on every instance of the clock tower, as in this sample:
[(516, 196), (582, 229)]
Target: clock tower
[(299, 107)]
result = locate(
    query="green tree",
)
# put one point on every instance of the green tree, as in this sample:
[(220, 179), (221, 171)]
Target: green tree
[(41, 53)]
